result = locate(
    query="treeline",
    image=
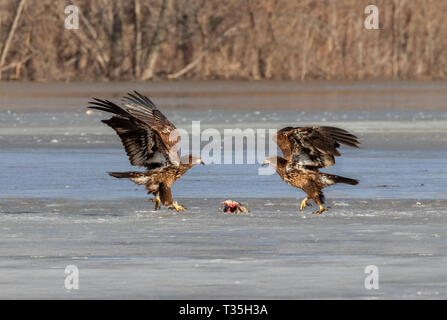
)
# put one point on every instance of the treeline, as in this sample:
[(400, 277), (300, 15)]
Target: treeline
[(222, 39)]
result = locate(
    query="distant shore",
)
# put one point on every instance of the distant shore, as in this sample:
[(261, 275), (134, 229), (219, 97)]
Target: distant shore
[(227, 95)]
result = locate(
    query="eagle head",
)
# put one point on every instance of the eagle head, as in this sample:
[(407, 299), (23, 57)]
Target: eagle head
[(191, 160), (270, 160)]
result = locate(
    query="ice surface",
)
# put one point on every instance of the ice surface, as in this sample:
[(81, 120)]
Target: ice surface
[(59, 207), (123, 249)]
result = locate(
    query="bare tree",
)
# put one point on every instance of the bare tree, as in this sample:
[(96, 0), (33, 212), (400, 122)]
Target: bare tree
[(222, 39), (11, 32)]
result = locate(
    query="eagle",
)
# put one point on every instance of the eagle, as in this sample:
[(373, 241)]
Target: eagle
[(150, 141), (305, 151)]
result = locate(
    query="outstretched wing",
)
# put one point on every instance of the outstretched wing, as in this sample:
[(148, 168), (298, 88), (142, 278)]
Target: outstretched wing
[(143, 136), (145, 111), (313, 146)]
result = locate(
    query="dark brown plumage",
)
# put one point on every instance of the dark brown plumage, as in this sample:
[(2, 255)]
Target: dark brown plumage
[(149, 139), (306, 150)]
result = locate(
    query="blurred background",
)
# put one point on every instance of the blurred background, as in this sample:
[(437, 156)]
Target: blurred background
[(222, 39)]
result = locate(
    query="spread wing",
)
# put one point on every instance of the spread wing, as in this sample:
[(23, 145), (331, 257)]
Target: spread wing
[(144, 131), (145, 111), (313, 146)]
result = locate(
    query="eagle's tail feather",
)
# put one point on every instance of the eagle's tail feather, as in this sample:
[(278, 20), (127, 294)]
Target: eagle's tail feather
[(140, 178), (340, 179), (121, 175)]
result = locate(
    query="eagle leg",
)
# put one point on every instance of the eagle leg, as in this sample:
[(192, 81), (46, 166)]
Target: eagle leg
[(304, 204), (177, 207), (322, 209), (157, 202)]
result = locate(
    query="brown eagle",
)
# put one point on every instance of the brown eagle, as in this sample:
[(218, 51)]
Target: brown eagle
[(306, 150), (150, 141)]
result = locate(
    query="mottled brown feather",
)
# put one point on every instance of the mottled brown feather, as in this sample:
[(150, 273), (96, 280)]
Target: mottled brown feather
[(313, 146), (149, 139), (311, 181), (143, 130), (145, 111)]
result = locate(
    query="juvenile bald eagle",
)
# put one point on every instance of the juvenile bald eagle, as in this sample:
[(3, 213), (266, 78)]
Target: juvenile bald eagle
[(150, 141), (305, 151)]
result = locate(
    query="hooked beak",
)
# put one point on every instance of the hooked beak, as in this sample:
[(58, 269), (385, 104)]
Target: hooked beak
[(265, 163)]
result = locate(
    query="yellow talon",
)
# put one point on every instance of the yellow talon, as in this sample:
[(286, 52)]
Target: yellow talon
[(304, 204), (322, 209), (157, 202), (177, 207)]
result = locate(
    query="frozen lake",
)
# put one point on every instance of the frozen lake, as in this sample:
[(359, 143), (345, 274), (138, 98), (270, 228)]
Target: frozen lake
[(59, 207)]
